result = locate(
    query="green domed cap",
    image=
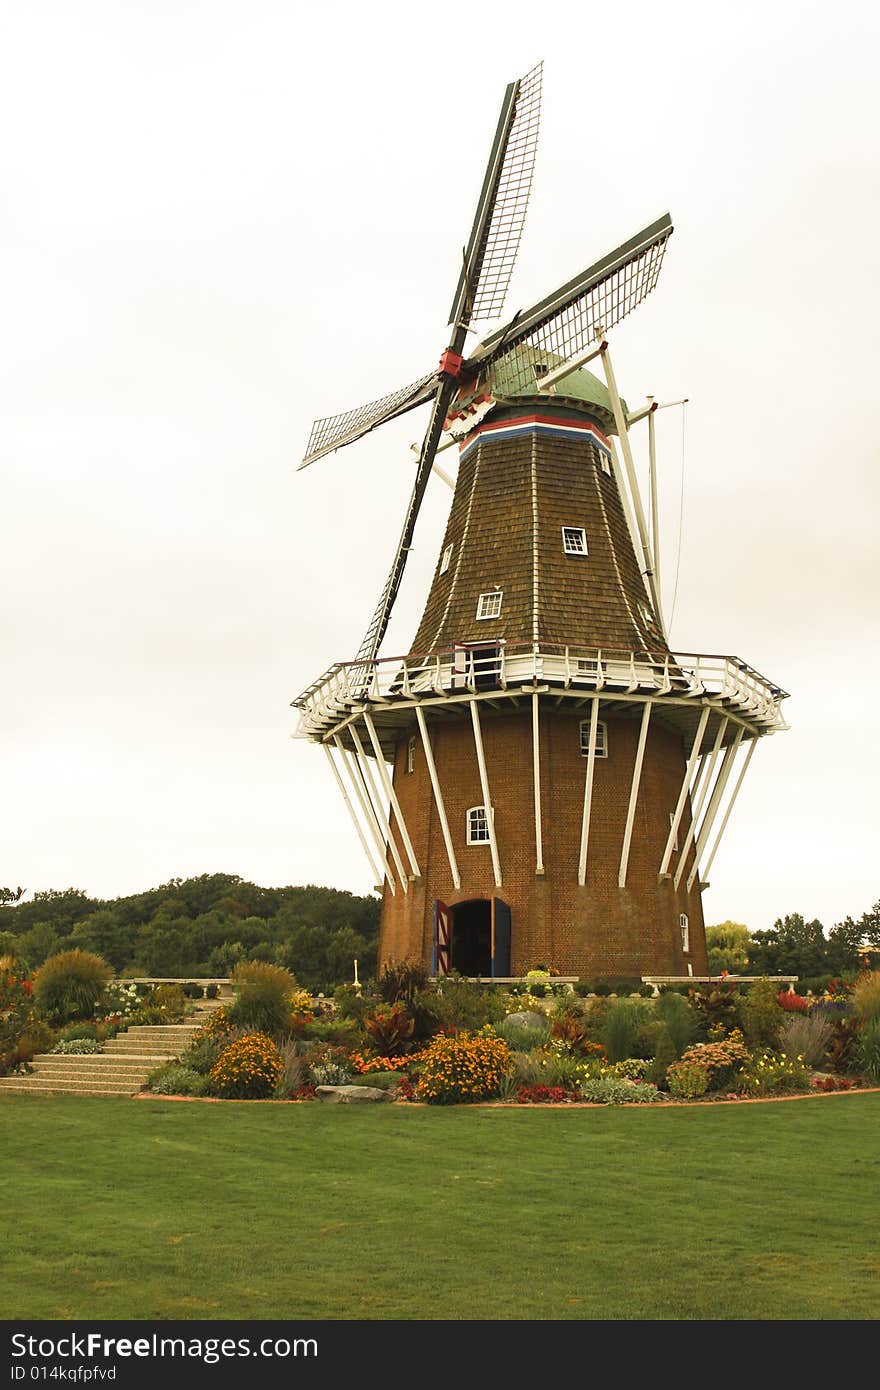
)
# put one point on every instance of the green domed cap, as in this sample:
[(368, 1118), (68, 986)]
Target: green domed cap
[(580, 389)]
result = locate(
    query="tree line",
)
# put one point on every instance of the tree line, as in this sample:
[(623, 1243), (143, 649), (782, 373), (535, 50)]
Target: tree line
[(200, 927), (794, 946)]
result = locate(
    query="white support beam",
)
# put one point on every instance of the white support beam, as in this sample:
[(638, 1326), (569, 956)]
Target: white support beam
[(391, 793), (487, 799), (546, 383), (536, 769), (588, 791), (349, 762), (739, 781), (438, 799), (377, 877), (384, 821), (623, 436), (655, 514), (697, 803), (634, 795), (712, 809), (623, 494), (682, 796)]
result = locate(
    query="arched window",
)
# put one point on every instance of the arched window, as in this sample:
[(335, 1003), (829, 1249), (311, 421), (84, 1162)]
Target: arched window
[(685, 932), (477, 826)]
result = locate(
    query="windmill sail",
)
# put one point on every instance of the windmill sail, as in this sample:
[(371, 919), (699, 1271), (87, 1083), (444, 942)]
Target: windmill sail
[(565, 323), (501, 209), (336, 430)]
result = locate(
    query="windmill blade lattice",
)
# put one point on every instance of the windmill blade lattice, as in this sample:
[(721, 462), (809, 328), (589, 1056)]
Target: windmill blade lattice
[(501, 210), (335, 430), (566, 322)]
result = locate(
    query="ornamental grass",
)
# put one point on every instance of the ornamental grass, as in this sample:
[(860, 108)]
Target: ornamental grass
[(248, 1069), (70, 984), (455, 1071)]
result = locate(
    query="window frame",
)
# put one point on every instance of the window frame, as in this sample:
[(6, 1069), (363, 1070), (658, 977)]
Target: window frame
[(446, 557), (411, 754), (601, 738), (684, 927), (605, 463), (476, 816), (575, 531), (489, 594)]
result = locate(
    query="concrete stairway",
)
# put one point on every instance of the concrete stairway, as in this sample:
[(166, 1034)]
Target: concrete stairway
[(120, 1070)]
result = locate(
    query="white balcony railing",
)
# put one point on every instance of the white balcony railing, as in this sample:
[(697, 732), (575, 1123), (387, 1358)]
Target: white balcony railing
[(512, 666)]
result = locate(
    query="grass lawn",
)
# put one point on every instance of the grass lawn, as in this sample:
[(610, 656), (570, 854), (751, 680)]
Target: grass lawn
[(155, 1210)]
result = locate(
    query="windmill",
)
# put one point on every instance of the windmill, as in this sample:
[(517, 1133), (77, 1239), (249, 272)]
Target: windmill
[(540, 740)]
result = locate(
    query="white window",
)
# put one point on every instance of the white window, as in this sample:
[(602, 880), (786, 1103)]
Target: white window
[(605, 462), (447, 556), (586, 667), (489, 605), (477, 826), (574, 540), (411, 755), (671, 824), (685, 932), (645, 614), (601, 739)]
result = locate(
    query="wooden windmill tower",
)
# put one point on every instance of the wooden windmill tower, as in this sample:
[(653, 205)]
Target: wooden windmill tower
[(540, 777)]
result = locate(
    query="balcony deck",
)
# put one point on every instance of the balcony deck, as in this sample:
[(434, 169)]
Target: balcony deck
[(505, 674)]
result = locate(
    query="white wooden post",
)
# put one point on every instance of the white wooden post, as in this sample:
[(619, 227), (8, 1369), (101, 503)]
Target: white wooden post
[(536, 769), (623, 436), (588, 791), (714, 803), (682, 796), (349, 761), (697, 804), (391, 793), (438, 798), (739, 781), (384, 821), (377, 877), (634, 794), (487, 800)]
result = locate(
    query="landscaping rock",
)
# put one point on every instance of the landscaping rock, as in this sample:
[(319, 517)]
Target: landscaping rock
[(350, 1095), (527, 1018)]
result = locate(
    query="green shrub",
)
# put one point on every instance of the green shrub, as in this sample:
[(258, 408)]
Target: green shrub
[(343, 1032), (192, 991), (69, 985), (687, 1080), (248, 1069), (664, 1056), (520, 1038), (806, 1036), (212, 991), (621, 1029), (866, 996), (766, 1073), (202, 1054), (262, 995), (329, 1074), (174, 1079), (171, 1000), (77, 1047), (867, 1051), (78, 1030), (616, 1090), (383, 1080), (466, 1005), (721, 1058), (582, 988), (679, 1019), (462, 1069), (762, 1017), (36, 1037)]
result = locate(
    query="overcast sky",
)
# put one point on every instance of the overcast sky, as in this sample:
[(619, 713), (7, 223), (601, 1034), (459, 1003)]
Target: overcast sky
[(222, 219)]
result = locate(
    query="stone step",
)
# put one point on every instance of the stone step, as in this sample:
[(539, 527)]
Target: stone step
[(150, 1028), (85, 1087), (95, 1067), (145, 1046)]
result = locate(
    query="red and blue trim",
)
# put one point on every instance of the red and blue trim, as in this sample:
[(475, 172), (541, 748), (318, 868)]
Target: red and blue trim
[(536, 424)]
